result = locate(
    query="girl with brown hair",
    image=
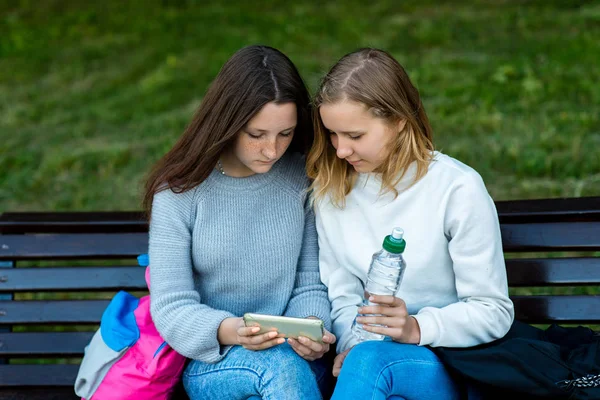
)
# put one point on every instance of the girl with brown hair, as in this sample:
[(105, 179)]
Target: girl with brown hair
[(231, 232), (374, 167)]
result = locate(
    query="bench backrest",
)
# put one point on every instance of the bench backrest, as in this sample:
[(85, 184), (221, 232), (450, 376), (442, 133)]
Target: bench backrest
[(51, 311)]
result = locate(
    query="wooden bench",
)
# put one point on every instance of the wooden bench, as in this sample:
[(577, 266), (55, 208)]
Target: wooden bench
[(55, 281)]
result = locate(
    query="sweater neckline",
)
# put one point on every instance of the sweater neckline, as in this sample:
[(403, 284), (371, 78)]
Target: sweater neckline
[(251, 182)]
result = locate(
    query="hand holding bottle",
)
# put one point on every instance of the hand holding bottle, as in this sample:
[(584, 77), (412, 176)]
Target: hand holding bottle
[(392, 319), (383, 280)]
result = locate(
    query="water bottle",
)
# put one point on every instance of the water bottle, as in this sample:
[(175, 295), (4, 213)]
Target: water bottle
[(384, 277)]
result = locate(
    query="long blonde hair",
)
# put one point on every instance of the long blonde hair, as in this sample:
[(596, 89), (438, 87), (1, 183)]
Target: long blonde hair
[(374, 78)]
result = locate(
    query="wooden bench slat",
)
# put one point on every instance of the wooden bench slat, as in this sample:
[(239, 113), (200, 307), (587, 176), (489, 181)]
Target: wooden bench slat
[(512, 211), (38, 374), (559, 309), (73, 222), (69, 246), (566, 236), (553, 271), (44, 344), (52, 311), (549, 210), (72, 278), (37, 393)]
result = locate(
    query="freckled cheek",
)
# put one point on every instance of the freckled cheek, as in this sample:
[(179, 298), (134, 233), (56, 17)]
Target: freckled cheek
[(251, 150)]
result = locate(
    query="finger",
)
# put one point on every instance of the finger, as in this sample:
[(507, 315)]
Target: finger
[(380, 299), (265, 337), (394, 322), (248, 330), (329, 338), (384, 330), (302, 350), (265, 345), (337, 364), (312, 345), (258, 339), (384, 310), (387, 300), (374, 310), (336, 371)]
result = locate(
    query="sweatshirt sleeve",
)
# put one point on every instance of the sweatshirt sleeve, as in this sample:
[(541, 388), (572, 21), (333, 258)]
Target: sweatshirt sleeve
[(309, 297), (345, 290), (484, 311), (189, 326)]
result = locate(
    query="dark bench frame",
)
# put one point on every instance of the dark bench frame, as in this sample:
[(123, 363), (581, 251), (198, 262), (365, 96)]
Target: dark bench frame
[(530, 226)]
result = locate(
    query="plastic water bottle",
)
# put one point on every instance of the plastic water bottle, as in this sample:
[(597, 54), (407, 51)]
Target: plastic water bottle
[(384, 277)]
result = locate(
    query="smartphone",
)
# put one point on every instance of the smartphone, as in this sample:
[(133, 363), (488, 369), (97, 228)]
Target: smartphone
[(289, 326)]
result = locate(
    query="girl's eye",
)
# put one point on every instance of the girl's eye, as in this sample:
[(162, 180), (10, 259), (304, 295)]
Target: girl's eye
[(286, 134), (254, 136), (355, 137)]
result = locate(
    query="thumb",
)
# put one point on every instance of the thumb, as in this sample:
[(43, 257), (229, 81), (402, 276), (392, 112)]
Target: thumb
[(329, 338)]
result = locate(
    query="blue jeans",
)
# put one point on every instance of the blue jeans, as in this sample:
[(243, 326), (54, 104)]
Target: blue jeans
[(390, 370), (277, 373)]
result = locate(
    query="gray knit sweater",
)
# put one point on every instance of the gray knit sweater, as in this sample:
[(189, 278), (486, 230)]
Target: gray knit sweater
[(231, 246)]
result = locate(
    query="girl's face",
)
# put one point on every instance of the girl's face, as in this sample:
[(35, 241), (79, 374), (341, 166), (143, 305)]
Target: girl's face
[(357, 136), (262, 141)]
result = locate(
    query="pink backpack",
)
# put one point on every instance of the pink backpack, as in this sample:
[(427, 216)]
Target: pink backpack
[(127, 358)]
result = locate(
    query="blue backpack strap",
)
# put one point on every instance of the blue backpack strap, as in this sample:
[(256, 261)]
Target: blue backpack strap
[(118, 326), (143, 260)]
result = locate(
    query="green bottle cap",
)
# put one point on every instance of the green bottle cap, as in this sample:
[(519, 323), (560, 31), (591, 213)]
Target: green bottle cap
[(394, 243)]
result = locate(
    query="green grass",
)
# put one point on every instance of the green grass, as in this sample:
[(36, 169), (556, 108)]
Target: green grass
[(91, 95)]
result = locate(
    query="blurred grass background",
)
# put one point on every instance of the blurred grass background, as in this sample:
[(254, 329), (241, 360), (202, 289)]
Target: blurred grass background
[(92, 94)]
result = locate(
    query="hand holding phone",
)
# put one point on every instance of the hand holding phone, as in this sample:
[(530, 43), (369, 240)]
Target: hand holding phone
[(233, 331), (311, 350), (289, 327)]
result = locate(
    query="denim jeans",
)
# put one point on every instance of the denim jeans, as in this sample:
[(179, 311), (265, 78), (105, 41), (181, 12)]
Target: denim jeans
[(390, 370), (277, 373)]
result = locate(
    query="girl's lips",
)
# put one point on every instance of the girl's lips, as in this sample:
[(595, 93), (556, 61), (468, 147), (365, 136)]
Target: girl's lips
[(354, 162)]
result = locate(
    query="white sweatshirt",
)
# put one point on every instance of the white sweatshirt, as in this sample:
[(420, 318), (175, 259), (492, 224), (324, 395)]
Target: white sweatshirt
[(455, 281)]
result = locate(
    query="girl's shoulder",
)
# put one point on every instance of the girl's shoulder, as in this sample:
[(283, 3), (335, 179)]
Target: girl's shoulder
[(450, 169), (452, 175), (443, 161)]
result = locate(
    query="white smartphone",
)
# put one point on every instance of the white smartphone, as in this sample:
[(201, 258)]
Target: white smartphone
[(289, 326)]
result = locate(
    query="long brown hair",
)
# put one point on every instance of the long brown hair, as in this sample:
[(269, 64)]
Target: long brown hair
[(251, 78), (375, 79)]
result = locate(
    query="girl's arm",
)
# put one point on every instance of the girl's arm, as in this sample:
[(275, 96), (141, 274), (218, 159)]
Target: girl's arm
[(344, 288), (484, 311), (189, 326)]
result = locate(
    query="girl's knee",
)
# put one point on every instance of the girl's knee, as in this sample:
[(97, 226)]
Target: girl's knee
[(363, 353), (232, 382), (284, 358), (290, 377)]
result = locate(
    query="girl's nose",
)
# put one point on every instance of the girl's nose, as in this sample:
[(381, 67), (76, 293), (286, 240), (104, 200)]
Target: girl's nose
[(343, 149)]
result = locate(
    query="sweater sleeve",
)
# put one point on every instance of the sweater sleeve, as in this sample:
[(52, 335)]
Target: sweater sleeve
[(345, 290), (189, 326), (309, 296), (484, 311)]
